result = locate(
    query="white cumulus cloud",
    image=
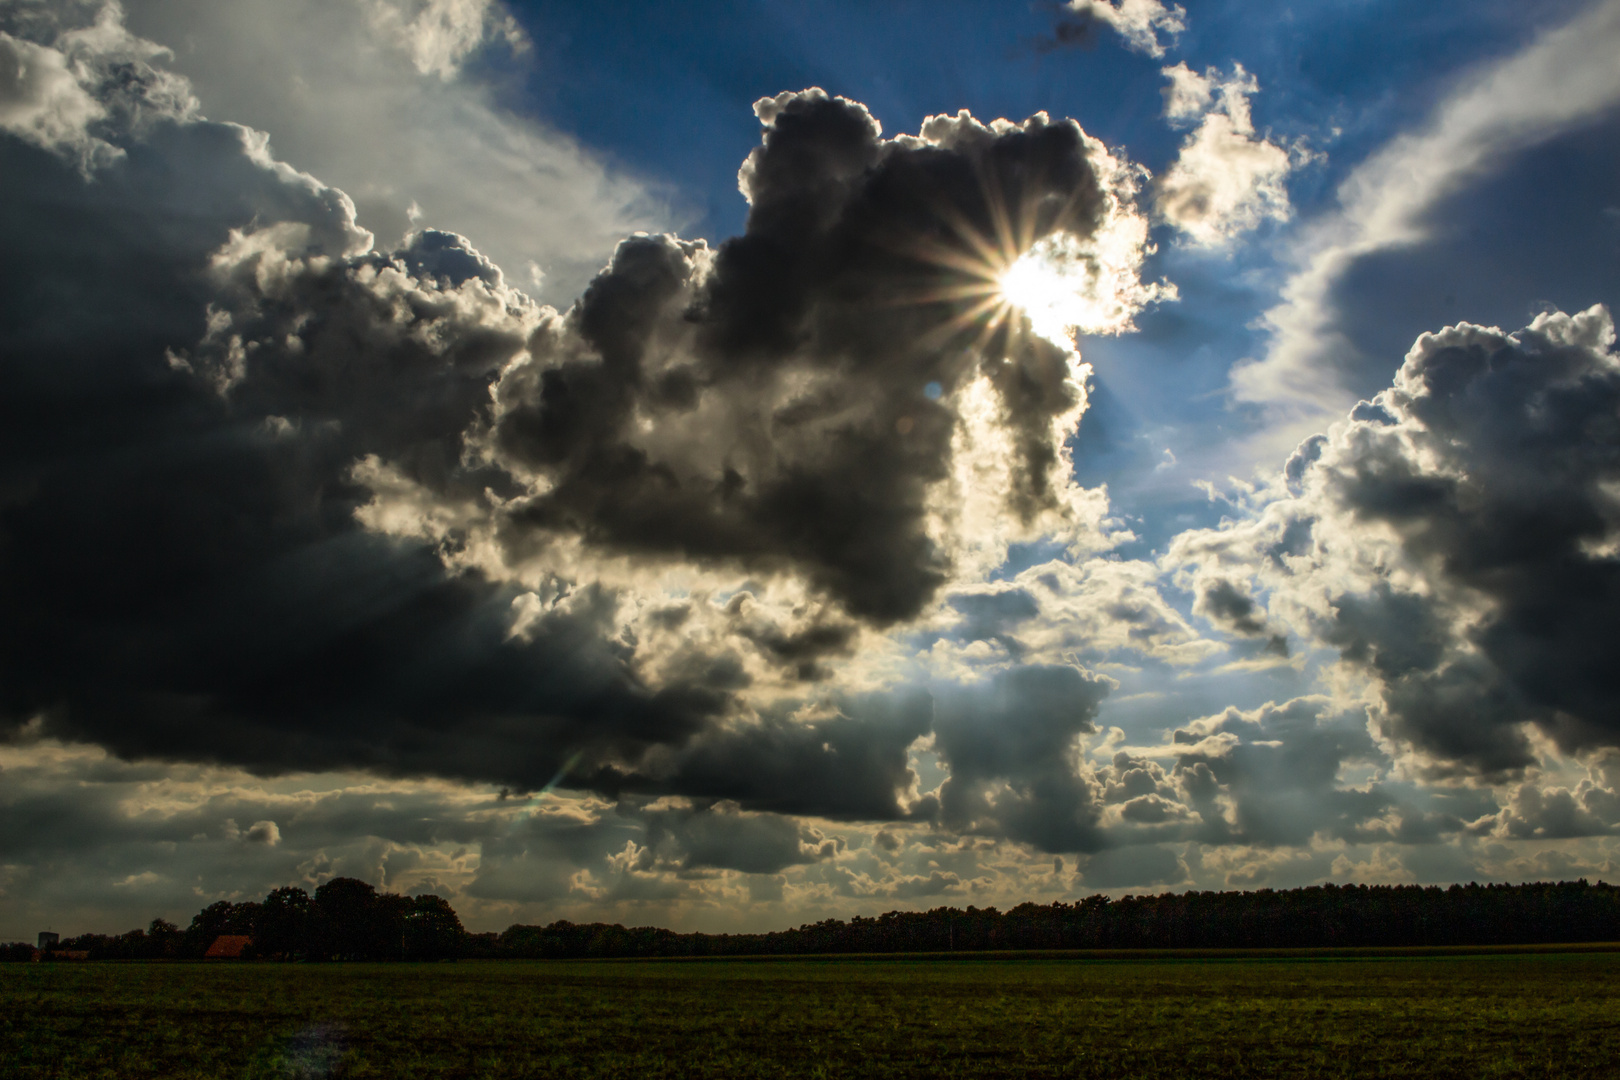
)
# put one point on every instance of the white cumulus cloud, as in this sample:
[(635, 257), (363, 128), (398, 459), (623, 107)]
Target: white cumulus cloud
[(1228, 179), (1139, 22)]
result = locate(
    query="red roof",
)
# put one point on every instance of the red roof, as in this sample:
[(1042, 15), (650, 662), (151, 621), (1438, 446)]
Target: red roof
[(228, 947)]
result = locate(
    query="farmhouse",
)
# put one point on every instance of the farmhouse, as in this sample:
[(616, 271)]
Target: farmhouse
[(228, 947)]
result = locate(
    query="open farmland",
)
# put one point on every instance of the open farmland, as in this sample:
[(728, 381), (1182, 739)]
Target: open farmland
[(1518, 1013)]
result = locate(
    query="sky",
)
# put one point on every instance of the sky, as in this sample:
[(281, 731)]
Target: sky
[(728, 465)]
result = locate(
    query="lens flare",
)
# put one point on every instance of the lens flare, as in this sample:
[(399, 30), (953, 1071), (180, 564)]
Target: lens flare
[(1026, 266), (1062, 283), (1067, 286), (1052, 292)]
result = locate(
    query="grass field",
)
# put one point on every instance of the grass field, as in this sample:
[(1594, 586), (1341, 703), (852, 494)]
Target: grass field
[(1504, 1014)]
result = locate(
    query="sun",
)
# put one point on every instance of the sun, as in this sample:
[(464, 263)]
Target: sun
[(1070, 286), (1056, 284), (1052, 290)]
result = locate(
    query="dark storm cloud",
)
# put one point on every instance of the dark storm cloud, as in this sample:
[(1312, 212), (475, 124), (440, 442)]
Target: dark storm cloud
[(1500, 476), (1011, 750), (1228, 607), (850, 763), (185, 575), (265, 491), (197, 359), (721, 838), (785, 400), (1456, 541)]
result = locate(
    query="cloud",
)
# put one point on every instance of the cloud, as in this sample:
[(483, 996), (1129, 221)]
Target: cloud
[(74, 74), (1565, 78), (1274, 778), (390, 101), (1012, 751), (719, 836), (271, 459), (766, 404), (919, 887), (1454, 540), (1138, 867), (1552, 813), (1226, 180), (1091, 610), (184, 427), (1190, 95), (1139, 22), (41, 101), (277, 497), (263, 832), (844, 759), (1271, 776), (1232, 609), (439, 35)]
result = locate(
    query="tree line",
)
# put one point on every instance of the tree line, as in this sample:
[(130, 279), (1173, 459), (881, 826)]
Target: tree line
[(347, 919)]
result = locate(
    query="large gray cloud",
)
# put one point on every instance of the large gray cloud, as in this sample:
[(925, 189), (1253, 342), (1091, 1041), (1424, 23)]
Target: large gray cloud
[(1455, 540), (200, 349), (1498, 474), (1278, 769), (1013, 754), (224, 401), (849, 761), (792, 399)]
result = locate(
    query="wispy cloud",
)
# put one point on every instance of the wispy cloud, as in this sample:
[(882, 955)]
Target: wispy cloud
[(1565, 78)]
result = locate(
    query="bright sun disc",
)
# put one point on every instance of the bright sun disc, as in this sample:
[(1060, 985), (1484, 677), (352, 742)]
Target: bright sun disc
[(1068, 286), (1056, 286), (1036, 287)]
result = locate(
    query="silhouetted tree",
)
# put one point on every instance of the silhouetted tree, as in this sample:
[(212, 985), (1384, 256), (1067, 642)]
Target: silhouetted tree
[(222, 917), (432, 931), (355, 922), (285, 923), (163, 939)]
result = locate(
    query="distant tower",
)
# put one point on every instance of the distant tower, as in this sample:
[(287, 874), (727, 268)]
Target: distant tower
[(48, 939)]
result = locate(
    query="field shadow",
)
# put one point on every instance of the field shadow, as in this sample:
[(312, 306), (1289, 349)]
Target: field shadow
[(315, 1052)]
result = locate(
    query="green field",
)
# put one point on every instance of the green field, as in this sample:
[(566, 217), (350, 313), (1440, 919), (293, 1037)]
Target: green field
[(1530, 1013)]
